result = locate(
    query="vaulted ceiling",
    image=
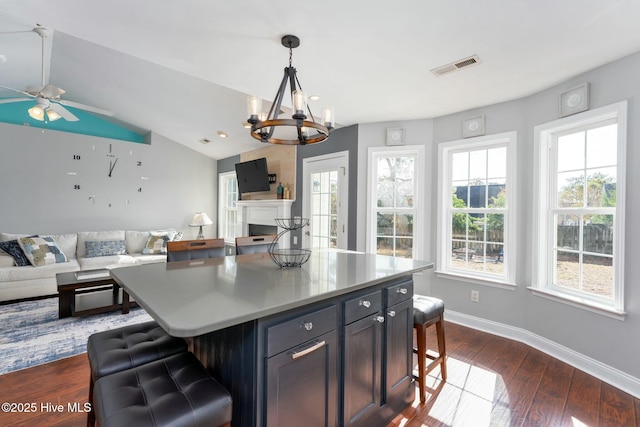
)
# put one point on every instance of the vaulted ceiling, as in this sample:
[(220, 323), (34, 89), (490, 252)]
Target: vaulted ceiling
[(183, 69)]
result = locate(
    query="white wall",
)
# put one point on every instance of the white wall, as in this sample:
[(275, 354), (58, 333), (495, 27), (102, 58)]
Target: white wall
[(38, 195)]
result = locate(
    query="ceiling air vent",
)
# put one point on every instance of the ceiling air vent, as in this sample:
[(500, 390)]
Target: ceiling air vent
[(455, 66), (204, 141)]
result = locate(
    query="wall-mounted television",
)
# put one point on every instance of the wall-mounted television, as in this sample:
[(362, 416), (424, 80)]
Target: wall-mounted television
[(253, 176)]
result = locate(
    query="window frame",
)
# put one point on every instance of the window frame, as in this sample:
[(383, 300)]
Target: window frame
[(444, 233), (543, 235), (223, 209), (418, 203)]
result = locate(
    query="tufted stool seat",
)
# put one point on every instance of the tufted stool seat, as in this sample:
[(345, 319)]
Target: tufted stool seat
[(428, 311), (127, 347), (175, 391)]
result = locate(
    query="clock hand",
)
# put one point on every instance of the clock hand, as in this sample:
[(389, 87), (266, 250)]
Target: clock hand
[(112, 165)]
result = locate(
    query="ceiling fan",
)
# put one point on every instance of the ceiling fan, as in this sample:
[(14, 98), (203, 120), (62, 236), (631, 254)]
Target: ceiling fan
[(47, 96)]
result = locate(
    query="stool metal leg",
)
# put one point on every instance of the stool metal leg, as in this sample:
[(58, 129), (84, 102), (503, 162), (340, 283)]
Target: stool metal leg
[(91, 415)]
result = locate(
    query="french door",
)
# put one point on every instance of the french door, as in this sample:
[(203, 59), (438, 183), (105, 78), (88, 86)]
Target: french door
[(325, 190)]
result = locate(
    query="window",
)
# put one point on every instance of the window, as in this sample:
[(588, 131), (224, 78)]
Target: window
[(580, 203), (476, 214), (227, 210), (395, 200)]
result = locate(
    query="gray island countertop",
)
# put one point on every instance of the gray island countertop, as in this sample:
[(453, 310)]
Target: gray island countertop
[(191, 298)]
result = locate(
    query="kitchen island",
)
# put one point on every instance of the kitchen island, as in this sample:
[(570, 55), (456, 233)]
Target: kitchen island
[(328, 343)]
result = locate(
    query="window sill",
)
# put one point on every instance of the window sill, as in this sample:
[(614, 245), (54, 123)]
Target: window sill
[(582, 303), (476, 279)]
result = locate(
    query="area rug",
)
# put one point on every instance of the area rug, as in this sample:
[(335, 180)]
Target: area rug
[(31, 333)]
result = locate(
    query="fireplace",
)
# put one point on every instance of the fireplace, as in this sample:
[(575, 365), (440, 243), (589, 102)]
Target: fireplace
[(263, 213), (261, 229)]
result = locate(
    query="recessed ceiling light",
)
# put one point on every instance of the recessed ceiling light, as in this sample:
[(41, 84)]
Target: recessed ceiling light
[(246, 125), (314, 98), (222, 134)]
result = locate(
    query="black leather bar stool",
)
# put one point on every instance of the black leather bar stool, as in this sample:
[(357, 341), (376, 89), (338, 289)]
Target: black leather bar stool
[(428, 311), (176, 391), (125, 348)]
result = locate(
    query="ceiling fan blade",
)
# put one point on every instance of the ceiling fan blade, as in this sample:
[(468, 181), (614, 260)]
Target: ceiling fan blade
[(66, 114), (18, 91), (86, 107), (10, 100)]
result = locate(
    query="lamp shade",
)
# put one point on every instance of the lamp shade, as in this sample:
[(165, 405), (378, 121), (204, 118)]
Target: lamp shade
[(200, 219)]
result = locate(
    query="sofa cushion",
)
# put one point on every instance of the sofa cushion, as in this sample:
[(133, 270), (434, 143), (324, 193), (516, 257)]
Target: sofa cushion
[(5, 237), (149, 259), (41, 250), (6, 260), (95, 248), (66, 242), (20, 274), (106, 261), (84, 236), (13, 249), (136, 240)]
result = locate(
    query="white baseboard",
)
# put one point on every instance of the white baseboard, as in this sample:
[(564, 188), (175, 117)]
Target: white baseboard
[(615, 377)]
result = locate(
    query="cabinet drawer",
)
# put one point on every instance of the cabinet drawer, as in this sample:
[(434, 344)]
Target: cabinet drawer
[(303, 328), (399, 292), (362, 306)]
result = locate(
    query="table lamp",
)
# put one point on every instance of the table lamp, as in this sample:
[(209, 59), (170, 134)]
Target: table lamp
[(200, 219)]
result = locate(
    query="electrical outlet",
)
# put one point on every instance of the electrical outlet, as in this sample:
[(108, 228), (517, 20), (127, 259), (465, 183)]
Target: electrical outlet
[(475, 296), (295, 240)]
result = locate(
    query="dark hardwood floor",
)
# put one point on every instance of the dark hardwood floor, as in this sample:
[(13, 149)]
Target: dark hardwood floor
[(492, 381)]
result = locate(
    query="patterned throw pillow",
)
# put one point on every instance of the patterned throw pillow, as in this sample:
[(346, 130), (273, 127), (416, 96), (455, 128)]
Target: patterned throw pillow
[(13, 248), (41, 250), (156, 244), (95, 248)]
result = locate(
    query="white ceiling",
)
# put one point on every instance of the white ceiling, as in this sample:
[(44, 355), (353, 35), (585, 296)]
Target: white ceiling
[(183, 68)]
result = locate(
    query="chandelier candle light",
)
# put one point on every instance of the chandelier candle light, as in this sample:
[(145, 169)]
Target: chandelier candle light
[(301, 125)]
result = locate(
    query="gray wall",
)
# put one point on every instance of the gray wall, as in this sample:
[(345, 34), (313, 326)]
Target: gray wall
[(38, 194), (612, 342)]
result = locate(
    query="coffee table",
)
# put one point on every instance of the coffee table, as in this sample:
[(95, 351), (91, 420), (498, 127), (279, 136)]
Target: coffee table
[(100, 291)]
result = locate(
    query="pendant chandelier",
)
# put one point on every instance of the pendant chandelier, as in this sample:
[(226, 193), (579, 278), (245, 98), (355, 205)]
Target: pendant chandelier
[(301, 129)]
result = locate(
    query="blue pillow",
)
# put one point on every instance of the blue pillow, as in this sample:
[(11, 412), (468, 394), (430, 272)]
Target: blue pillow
[(95, 248), (13, 248)]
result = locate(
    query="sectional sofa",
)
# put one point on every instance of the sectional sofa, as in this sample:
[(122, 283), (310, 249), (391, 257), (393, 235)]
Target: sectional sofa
[(47, 255)]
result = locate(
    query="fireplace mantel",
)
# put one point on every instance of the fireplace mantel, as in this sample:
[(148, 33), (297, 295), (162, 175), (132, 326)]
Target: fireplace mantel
[(262, 212)]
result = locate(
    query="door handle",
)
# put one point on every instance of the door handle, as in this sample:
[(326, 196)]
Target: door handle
[(306, 351)]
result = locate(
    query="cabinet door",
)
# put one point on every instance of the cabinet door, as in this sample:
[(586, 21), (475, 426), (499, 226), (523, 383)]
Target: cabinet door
[(362, 369), (302, 385), (398, 346)]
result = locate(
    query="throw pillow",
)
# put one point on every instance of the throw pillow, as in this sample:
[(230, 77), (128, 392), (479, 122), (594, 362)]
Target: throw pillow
[(96, 248), (41, 250), (13, 248), (156, 244)]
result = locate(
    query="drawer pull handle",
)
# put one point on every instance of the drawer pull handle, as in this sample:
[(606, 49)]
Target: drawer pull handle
[(392, 313), (308, 350), (379, 319), (365, 303), (308, 326), (402, 291)]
